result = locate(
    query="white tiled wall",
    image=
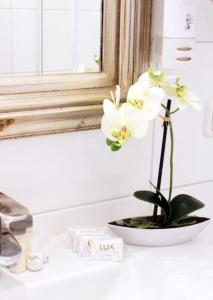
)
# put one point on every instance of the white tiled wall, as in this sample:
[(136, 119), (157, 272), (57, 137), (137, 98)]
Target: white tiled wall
[(18, 37), (70, 170), (5, 44), (57, 38), (56, 4), (24, 41), (93, 34), (57, 50)]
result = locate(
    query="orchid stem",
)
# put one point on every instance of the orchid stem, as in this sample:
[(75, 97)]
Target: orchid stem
[(171, 160), (160, 171), (174, 111)]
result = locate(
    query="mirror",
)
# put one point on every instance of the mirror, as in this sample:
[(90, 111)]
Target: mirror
[(56, 103), (40, 37)]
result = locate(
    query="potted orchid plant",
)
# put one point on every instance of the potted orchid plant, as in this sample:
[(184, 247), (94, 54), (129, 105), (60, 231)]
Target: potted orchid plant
[(153, 92)]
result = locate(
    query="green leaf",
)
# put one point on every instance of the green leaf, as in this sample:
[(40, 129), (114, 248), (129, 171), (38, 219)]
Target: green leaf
[(166, 203), (109, 142), (183, 205), (115, 146), (163, 198), (155, 199), (148, 196)]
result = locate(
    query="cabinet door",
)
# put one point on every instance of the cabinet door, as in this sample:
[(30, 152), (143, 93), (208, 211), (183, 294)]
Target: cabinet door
[(179, 18)]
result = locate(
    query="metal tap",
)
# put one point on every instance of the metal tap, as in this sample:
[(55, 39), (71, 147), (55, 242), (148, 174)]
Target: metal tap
[(10, 211)]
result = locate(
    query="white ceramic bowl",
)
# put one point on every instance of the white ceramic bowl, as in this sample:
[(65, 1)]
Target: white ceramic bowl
[(158, 237)]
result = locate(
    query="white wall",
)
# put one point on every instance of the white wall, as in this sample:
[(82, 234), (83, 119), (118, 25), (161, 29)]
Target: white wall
[(69, 170)]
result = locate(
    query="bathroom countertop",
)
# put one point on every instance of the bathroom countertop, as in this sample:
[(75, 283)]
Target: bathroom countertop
[(178, 272)]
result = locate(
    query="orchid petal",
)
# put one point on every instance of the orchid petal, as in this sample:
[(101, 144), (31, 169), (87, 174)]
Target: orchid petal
[(193, 99), (145, 80), (108, 106), (135, 121), (111, 122), (136, 92), (117, 95)]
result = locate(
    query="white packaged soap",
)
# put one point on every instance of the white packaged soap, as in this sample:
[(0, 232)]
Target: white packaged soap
[(85, 242), (107, 249), (70, 234), (76, 237)]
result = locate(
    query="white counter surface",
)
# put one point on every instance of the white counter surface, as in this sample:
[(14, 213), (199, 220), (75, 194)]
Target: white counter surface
[(178, 272)]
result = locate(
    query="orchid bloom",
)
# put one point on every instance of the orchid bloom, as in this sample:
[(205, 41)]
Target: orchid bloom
[(183, 96), (146, 100), (119, 124), (152, 78), (111, 105)]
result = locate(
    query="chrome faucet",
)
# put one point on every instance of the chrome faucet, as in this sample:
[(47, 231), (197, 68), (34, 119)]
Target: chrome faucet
[(10, 211)]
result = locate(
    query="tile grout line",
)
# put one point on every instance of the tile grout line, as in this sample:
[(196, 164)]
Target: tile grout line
[(113, 199), (84, 205)]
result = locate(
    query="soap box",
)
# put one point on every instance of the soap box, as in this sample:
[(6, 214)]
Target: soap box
[(72, 242), (107, 249), (85, 242)]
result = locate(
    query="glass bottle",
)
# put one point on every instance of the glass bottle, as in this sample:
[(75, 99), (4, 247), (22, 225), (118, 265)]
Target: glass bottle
[(34, 253)]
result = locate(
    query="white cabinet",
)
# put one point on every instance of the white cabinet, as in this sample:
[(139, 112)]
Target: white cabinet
[(174, 18), (173, 33)]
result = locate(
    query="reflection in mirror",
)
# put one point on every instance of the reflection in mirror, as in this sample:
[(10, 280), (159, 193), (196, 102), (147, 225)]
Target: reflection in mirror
[(50, 36)]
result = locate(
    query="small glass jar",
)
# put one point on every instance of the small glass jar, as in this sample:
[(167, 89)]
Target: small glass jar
[(43, 234), (34, 253), (18, 230)]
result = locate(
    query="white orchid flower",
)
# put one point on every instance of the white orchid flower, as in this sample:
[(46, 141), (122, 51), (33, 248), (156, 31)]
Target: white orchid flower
[(147, 100), (111, 105), (183, 96), (137, 124), (152, 78), (155, 78), (186, 98), (119, 125)]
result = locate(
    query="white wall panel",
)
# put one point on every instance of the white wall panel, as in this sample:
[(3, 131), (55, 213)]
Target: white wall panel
[(5, 41), (5, 3), (88, 38), (98, 214), (57, 47), (70, 30), (25, 41), (204, 20), (53, 172), (89, 5), (57, 4), (25, 4)]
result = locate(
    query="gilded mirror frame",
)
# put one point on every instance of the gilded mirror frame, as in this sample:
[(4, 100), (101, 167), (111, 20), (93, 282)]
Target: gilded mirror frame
[(36, 105)]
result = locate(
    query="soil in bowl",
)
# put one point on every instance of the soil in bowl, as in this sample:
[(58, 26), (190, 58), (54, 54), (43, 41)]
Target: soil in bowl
[(148, 223)]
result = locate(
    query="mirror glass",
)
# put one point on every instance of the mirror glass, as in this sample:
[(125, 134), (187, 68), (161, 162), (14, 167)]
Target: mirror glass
[(39, 37)]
